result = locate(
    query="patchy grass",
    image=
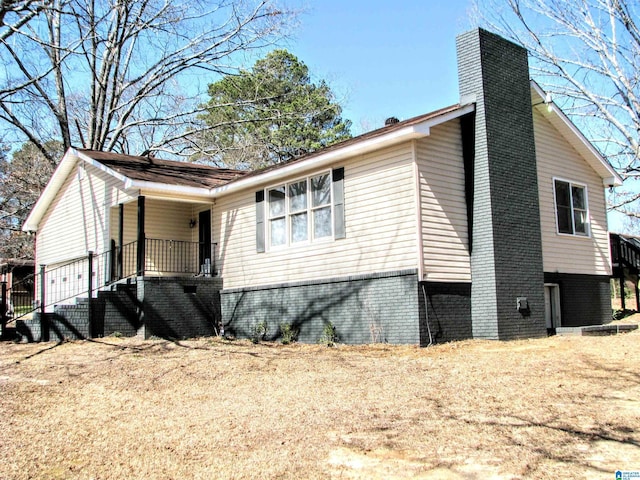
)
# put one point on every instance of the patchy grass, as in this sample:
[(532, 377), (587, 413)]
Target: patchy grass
[(562, 407)]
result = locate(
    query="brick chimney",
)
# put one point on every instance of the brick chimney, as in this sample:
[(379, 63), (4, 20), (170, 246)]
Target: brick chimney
[(506, 254)]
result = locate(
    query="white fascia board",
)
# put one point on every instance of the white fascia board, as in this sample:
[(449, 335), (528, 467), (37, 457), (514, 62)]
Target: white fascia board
[(411, 132), (100, 166), (579, 141), (130, 184), (62, 171)]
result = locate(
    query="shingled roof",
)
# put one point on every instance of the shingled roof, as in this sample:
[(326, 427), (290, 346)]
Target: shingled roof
[(387, 129), (169, 172)]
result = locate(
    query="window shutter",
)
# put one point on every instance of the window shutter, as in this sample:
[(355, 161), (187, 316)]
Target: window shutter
[(260, 221), (337, 177)]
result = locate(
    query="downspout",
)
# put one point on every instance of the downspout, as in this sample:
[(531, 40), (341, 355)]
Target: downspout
[(426, 312), (421, 280), (418, 210)]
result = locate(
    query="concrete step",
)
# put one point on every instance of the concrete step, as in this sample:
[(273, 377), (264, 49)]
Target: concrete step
[(595, 330)]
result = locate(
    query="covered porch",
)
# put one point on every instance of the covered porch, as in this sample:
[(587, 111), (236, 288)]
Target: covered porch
[(161, 237)]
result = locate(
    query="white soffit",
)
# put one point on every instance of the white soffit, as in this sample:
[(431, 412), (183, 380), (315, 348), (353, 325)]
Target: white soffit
[(62, 171), (574, 136), (320, 160)]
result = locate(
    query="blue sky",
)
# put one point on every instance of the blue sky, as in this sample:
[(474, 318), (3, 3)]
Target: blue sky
[(383, 58), (386, 58)]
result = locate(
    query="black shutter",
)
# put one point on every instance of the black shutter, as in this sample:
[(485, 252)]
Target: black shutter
[(337, 177), (260, 221)]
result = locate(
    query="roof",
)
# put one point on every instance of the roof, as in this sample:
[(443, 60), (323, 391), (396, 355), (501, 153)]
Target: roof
[(150, 169), (387, 130), (412, 128), (188, 179), (16, 262)]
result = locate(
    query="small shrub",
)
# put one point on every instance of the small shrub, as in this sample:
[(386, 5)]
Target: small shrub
[(376, 332), (289, 334), (258, 331), (116, 334), (329, 336)]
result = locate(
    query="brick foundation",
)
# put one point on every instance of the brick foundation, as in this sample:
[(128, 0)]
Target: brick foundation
[(363, 309), (584, 299)]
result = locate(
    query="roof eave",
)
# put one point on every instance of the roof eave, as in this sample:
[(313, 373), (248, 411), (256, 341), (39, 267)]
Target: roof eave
[(411, 132), (610, 178), (130, 184), (62, 171)]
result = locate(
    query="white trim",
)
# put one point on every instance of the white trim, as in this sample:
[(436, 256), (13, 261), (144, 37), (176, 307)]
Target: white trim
[(586, 199), (102, 167), (323, 160), (610, 178), (287, 214), (418, 206), (62, 171), (164, 187), (556, 307)]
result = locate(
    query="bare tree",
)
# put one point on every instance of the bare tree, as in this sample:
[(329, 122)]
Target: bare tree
[(120, 75), (587, 54), (21, 181)]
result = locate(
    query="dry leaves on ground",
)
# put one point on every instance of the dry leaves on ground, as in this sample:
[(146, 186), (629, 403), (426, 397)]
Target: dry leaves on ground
[(562, 407)]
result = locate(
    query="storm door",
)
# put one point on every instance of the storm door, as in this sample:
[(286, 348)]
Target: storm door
[(552, 305), (204, 239)]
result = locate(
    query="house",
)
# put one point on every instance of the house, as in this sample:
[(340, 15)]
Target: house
[(485, 219), (16, 279), (15, 274), (625, 260)]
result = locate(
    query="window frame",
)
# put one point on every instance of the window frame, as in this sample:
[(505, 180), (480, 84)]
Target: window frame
[(572, 184), (309, 211)]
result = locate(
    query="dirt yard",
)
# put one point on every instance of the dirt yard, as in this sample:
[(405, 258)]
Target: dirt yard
[(562, 407)]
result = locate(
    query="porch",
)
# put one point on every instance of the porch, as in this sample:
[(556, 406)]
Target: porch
[(170, 294), (625, 262), (161, 237)]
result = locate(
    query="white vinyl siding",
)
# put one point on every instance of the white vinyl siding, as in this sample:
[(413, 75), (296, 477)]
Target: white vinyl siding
[(168, 220), (445, 238), (380, 221), (164, 220), (562, 253), (78, 219)]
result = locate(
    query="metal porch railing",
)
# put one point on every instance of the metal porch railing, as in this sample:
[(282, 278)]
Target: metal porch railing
[(83, 277)]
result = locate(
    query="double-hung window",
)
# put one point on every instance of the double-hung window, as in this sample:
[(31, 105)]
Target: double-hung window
[(300, 211), (572, 213)]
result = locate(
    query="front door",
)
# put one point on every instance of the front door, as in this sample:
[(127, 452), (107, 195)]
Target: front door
[(204, 239), (552, 305)]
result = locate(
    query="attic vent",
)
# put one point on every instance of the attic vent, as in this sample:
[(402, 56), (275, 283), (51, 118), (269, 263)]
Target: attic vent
[(390, 121)]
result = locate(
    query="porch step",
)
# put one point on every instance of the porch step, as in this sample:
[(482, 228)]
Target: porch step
[(595, 330), (122, 285)]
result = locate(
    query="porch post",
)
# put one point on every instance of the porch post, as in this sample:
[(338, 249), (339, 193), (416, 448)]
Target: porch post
[(3, 312), (44, 324), (90, 292), (141, 238), (621, 278), (119, 268)]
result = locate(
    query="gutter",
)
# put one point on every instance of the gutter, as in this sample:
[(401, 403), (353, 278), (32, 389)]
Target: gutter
[(325, 159), (72, 156)]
